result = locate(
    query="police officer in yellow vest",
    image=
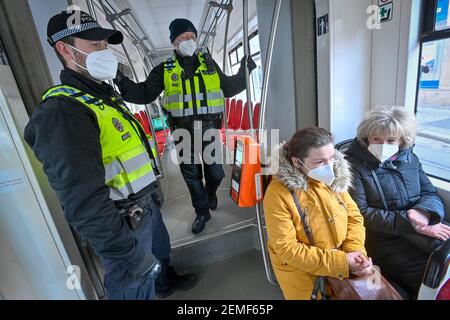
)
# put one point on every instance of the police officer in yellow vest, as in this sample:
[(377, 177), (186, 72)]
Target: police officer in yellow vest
[(194, 90), (101, 164)]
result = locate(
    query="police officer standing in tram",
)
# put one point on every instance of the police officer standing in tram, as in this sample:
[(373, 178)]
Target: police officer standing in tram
[(100, 163), (194, 91)]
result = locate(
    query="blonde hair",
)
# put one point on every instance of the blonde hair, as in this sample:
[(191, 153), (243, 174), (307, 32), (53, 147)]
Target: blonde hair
[(391, 120)]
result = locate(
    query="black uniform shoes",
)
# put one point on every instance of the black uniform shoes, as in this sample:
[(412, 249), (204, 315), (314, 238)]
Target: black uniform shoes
[(181, 283), (212, 199), (199, 223)]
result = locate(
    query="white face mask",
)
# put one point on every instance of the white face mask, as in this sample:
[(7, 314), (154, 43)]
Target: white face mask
[(383, 152), (323, 174), (101, 65), (187, 48)]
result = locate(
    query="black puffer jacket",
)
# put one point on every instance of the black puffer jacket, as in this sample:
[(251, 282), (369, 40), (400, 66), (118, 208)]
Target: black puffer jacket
[(405, 186)]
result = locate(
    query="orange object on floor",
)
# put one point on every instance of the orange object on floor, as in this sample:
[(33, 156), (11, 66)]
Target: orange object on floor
[(246, 180)]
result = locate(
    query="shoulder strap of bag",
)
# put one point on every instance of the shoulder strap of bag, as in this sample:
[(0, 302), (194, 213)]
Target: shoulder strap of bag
[(305, 223), (319, 285), (380, 190)]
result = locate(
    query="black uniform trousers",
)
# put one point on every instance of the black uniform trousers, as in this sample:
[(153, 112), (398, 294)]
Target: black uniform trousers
[(198, 166)]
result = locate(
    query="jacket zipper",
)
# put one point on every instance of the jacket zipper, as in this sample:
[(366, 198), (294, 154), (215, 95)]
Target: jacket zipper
[(193, 93), (396, 182)]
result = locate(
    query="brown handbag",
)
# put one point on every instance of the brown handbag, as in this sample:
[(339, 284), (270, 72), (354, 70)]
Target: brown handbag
[(367, 287), (360, 288)]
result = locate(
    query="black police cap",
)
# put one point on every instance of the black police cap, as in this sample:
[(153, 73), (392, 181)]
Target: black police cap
[(81, 25)]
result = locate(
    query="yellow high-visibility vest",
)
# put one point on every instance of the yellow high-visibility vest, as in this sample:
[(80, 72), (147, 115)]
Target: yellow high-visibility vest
[(128, 165), (201, 94)]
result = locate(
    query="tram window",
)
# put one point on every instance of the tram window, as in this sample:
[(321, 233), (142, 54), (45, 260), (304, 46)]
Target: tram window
[(433, 101), (240, 52), (254, 44), (256, 79), (442, 15), (233, 58)]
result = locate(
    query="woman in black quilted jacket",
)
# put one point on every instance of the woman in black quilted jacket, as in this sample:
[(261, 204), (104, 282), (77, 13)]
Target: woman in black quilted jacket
[(402, 211)]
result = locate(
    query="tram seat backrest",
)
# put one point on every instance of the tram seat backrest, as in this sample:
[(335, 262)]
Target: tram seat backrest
[(231, 111), (343, 145), (256, 112), (146, 121), (227, 110), (236, 116), (227, 106), (245, 118), (139, 118)]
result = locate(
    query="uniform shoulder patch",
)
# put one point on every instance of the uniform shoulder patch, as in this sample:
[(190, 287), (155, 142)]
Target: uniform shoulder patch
[(117, 124), (175, 77)]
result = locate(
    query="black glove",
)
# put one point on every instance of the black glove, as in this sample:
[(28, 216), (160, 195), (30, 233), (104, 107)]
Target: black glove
[(251, 65), (122, 72), (155, 270)]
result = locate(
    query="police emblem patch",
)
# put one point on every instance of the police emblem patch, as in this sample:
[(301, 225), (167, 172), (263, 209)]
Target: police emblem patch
[(174, 77), (117, 124)]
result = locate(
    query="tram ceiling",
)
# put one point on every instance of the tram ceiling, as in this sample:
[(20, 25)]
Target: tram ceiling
[(156, 15)]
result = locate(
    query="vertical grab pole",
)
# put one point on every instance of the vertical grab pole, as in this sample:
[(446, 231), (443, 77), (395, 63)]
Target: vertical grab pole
[(147, 73), (268, 66), (91, 9), (224, 66), (111, 20), (267, 69), (214, 35), (247, 73)]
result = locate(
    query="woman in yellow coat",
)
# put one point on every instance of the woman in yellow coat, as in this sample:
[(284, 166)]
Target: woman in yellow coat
[(319, 176)]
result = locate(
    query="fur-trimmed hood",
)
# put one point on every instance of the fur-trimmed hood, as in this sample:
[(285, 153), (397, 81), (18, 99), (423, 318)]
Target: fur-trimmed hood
[(294, 179)]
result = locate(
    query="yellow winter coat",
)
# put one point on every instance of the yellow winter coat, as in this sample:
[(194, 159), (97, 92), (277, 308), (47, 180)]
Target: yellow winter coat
[(336, 223)]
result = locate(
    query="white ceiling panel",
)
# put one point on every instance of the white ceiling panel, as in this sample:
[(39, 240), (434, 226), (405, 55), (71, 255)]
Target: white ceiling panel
[(156, 15)]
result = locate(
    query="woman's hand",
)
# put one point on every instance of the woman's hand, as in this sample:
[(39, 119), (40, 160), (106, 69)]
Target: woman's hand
[(357, 261), (367, 271), (418, 218), (439, 231)]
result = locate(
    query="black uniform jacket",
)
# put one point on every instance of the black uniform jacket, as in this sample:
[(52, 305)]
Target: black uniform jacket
[(65, 137)]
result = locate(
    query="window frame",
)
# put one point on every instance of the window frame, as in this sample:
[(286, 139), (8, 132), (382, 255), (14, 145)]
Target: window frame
[(238, 46), (428, 33), (234, 51)]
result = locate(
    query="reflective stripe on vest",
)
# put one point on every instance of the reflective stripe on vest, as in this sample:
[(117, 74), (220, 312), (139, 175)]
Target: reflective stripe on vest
[(179, 103), (128, 167)]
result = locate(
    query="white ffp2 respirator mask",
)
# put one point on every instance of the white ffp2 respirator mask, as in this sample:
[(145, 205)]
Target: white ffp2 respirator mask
[(323, 174), (187, 48), (383, 152), (101, 65)]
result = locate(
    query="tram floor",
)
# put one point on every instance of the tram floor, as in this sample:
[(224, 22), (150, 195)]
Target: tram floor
[(178, 213), (241, 277), (225, 254)]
